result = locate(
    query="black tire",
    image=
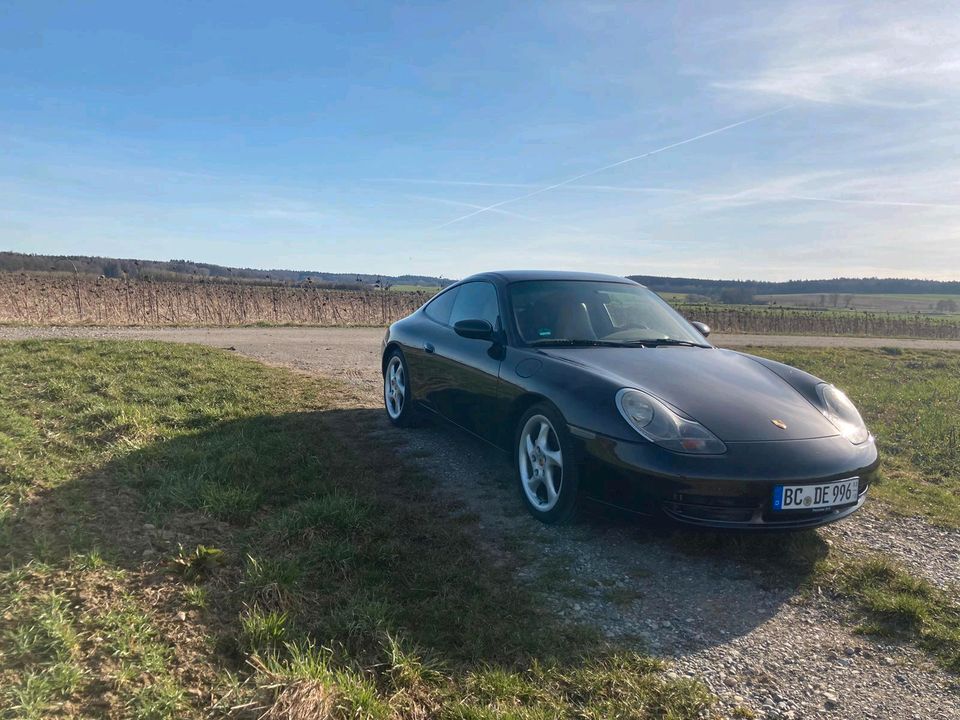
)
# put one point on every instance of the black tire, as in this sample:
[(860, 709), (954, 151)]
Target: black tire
[(531, 485), (405, 413)]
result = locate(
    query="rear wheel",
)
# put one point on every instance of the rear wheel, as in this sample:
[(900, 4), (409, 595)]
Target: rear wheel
[(546, 473), (397, 397)]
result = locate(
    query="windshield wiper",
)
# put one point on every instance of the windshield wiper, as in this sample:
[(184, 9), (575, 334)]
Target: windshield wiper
[(655, 342), (564, 342)]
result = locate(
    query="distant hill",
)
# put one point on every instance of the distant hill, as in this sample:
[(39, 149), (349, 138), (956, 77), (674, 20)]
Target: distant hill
[(187, 270), (743, 291)]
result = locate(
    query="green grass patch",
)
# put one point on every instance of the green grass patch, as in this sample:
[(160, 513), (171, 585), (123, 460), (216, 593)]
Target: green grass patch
[(884, 598), (185, 530), (910, 401), (401, 287), (892, 603)]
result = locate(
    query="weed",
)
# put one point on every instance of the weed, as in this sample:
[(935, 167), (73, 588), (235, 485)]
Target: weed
[(162, 700), (198, 563), (195, 596), (261, 632), (273, 580), (92, 560)]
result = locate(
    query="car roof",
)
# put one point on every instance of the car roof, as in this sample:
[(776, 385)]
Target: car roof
[(512, 276)]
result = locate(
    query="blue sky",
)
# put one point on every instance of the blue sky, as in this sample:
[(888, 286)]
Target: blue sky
[(358, 136)]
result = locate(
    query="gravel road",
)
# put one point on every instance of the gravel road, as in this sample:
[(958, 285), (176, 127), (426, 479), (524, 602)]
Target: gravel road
[(746, 629)]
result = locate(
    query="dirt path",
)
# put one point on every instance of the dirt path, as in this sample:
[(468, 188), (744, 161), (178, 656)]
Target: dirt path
[(295, 346), (744, 628)]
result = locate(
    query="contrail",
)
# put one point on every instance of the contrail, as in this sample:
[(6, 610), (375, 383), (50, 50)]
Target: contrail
[(508, 213), (418, 181), (457, 203), (881, 203), (574, 179), (471, 183)]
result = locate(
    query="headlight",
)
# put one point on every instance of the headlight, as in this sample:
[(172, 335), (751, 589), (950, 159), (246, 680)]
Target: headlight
[(842, 413), (661, 425)]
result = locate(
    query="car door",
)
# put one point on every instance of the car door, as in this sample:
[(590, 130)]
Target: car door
[(426, 369), (464, 386)]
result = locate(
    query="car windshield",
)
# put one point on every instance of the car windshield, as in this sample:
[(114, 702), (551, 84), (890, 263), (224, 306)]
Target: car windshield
[(586, 312)]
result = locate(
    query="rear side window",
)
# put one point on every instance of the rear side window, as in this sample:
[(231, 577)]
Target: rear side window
[(476, 301), (439, 308)]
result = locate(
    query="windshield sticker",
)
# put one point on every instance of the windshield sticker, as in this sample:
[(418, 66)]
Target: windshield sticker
[(544, 332)]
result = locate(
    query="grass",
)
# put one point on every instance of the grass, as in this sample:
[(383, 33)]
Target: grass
[(878, 302), (910, 401), (673, 297), (892, 603), (841, 322), (400, 287), (184, 532), (881, 597)]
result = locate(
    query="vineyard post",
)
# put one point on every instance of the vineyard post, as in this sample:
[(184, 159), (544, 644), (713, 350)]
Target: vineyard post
[(76, 274)]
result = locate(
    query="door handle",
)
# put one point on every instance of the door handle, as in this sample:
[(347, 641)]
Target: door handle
[(428, 347)]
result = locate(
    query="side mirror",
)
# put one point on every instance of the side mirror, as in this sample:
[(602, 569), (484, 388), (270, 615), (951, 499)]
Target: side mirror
[(702, 328), (474, 329)]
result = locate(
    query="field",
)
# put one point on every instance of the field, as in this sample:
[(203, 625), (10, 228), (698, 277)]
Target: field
[(42, 300), (430, 290), (674, 298), (186, 533), (790, 321), (874, 302)]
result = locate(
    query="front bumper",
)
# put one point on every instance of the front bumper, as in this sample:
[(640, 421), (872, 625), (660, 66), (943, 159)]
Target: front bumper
[(733, 490)]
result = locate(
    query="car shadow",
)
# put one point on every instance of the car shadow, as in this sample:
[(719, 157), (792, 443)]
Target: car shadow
[(677, 589)]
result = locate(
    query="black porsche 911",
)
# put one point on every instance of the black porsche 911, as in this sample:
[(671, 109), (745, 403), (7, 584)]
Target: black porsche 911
[(600, 391)]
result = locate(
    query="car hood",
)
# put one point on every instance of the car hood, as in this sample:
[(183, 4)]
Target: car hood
[(735, 397)]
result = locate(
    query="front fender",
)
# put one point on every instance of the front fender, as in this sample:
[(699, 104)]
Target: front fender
[(586, 399)]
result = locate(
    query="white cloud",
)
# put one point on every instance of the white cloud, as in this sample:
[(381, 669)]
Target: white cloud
[(886, 54), (933, 188)]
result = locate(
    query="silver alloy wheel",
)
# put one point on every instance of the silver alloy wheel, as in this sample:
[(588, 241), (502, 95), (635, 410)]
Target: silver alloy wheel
[(394, 387), (541, 463)]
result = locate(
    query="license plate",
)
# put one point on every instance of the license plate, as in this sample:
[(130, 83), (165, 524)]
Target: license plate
[(810, 497)]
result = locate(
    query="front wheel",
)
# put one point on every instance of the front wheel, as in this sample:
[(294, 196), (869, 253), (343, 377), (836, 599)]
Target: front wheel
[(397, 397), (546, 473)]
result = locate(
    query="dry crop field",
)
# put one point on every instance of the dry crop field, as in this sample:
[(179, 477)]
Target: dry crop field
[(788, 321), (43, 300), (939, 303), (62, 300)]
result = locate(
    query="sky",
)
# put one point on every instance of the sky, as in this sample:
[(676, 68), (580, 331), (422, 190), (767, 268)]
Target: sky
[(728, 140)]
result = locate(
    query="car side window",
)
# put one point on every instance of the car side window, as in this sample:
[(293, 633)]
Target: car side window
[(476, 301), (439, 308)]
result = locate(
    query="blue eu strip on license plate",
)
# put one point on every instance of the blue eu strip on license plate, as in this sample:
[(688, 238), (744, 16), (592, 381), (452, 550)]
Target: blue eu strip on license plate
[(778, 497)]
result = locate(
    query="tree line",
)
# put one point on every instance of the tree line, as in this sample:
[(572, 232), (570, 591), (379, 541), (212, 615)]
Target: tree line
[(743, 291), (186, 270)]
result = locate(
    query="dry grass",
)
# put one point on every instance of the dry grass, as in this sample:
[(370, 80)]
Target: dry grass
[(46, 300), (63, 300), (791, 321)]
